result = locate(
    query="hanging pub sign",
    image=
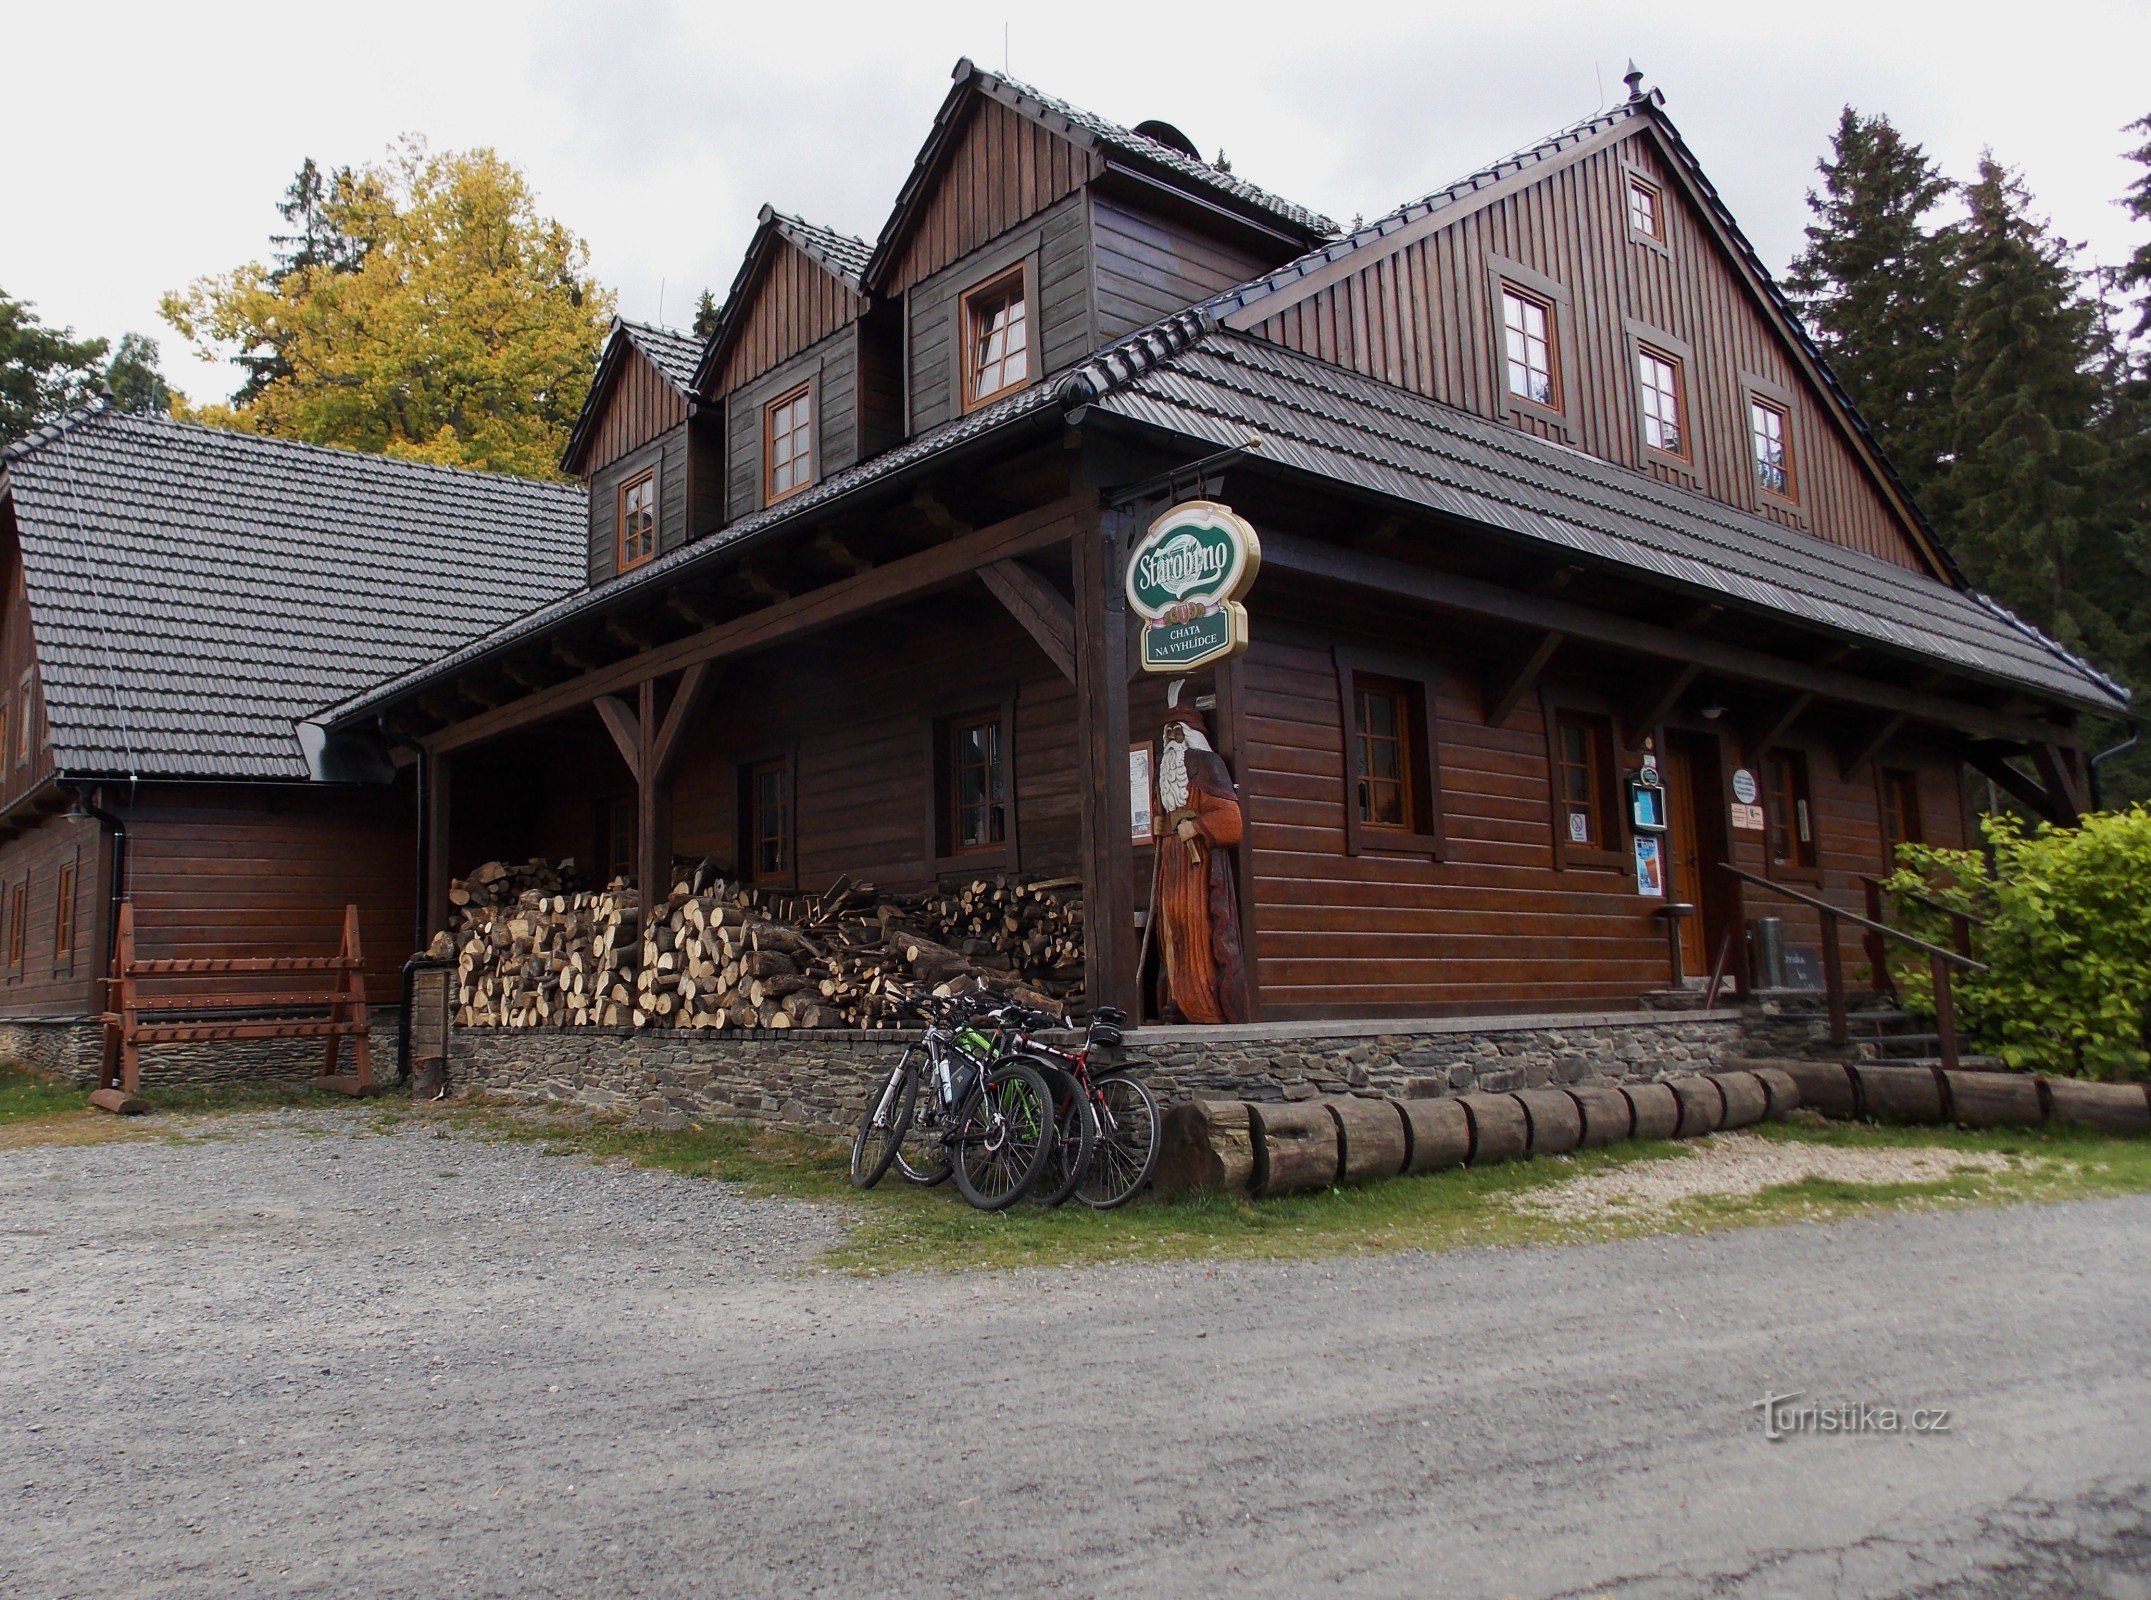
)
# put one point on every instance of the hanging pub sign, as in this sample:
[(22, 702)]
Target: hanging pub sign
[(1646, 802), (1186, 577)]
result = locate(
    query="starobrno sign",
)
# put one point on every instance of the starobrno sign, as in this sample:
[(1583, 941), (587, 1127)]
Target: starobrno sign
[(1186, 577)]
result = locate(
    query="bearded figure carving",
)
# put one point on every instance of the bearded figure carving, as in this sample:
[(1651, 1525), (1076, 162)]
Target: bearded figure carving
[(1197, 911)]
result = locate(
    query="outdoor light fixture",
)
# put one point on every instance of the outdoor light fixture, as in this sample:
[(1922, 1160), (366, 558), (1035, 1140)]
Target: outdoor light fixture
[(1714, 711)]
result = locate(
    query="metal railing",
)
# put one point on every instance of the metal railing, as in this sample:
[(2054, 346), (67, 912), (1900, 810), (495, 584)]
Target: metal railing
[(1940, 961)]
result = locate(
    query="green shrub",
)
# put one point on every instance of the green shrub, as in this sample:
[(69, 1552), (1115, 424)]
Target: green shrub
[(2067, 939)]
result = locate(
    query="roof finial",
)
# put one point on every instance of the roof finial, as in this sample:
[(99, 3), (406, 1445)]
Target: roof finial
[(1633, 77)]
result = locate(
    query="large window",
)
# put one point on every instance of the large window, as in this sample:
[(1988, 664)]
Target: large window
[(1900, 812), (997, 338), (1665, 406), (1788, 813), (788, 448), (1770, 432), (1392, 800), (766, 821), (1534, 371), (63, 918), (637, 540)]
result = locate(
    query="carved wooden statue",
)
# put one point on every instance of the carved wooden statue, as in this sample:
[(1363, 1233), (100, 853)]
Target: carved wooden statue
[(1198, 912)]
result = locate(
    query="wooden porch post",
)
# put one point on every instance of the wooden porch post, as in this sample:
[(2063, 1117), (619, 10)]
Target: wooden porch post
[(653, 809), (440, 846), (1101, 657)]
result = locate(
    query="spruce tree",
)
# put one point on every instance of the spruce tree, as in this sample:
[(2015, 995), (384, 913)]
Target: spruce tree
[(705, 322), (2028, 477), (1876, 287)]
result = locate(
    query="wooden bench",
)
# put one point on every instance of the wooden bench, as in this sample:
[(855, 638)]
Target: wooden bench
[(266, 1012)]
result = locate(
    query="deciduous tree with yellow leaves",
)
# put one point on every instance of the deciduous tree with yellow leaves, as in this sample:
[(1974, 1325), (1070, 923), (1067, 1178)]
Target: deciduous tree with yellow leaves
[(429, 312)]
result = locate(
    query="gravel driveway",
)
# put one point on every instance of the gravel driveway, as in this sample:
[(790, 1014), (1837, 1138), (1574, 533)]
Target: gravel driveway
[(288, 1359)]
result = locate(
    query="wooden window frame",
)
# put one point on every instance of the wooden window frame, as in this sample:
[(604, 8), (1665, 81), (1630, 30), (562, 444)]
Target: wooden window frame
[(620, 561), (1803, 871), (805, 389), (64, 932), (1018, 272), (1634, 177), (1503, 275), (1426, 836), (1758, 391), (18, 920), (1614, 854), (25, 701), (1909, 778), (7, 726), (1643, 340), (749, 837), (939, 727)]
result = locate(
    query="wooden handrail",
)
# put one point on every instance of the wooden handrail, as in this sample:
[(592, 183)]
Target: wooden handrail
[(1954, 958), (1929, 901)]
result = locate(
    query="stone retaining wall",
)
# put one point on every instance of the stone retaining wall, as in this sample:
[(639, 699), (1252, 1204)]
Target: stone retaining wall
[(73, 1048), (817, 1079)]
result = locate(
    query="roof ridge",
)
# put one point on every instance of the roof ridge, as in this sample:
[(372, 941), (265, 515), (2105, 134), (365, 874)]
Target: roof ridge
[(103, 407)]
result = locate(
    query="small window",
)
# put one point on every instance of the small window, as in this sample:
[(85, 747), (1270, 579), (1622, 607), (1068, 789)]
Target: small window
[(637, 521), (1583, 783), (977, 787), (1528, 334), (1382, 755), (28, 701), (788, 429), (997, 339), (63, 918), (1770, 431), (1900, 812), (619, 841), (767, 821), (1788, 812), (1392, 772), (18, 920), (7, 711), (1646, 208), (1665, 406)]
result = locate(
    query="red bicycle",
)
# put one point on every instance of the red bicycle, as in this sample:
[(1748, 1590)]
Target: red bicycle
[(1124, 1152)]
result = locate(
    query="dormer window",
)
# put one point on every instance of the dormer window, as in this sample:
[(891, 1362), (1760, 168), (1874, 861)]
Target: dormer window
[(788, 456), (637, 538), (997, 338), (1527, 328), (1646, 208)]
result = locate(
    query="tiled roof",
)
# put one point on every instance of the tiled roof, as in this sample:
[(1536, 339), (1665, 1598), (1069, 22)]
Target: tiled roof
[(673, 353), (1441, 199), (839, 252), (1317, 418), (195, 593)]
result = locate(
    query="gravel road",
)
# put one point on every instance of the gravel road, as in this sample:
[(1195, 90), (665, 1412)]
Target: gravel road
[(289, 1359)]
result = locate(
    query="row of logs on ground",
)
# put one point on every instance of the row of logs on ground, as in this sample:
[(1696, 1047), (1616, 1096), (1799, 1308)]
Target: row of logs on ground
[(1273, 1147), (533, 950), (1269, 1148)]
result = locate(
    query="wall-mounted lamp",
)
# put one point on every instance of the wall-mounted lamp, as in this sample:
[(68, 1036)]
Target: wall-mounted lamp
[(1714, 711)]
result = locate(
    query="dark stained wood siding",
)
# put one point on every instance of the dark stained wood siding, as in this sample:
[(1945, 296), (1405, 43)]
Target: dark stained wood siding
[(1056, 248), (671, 457), (1002, 170), (1423, 317), (43, 984), (794, 302), (833, 367), (267, 870), (1148, 267), (641, 404), (18, 656)]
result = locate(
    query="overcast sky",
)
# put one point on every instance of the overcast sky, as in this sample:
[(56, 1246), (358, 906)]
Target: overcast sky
[(147, 145)]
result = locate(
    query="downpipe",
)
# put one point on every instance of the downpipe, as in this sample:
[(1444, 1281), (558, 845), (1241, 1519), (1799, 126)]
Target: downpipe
[(2091, 766)]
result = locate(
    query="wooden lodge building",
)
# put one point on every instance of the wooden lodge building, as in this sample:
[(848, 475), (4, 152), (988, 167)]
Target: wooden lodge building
[(1551, 486)]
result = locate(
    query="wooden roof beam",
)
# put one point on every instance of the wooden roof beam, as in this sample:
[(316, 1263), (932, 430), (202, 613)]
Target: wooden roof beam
[(1852, 757), (1657, 704), (1759, 735), (1506, 686), (1047, 616)]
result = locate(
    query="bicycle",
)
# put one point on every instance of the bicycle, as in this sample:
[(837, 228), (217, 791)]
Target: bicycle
[(986, 1118), (1124, 1156)]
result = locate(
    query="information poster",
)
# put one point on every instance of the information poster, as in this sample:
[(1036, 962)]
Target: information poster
[(1140, 789), (1650, 865)]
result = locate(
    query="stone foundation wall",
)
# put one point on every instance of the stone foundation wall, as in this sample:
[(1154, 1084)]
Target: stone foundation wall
[(817, 1080), (73, 1048)]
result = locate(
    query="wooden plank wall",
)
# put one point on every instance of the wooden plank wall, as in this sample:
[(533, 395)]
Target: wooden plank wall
[(1424, 318), (833, 365), (670, 454), (18, 655), (1003, 169), (794, 302), (1148, 268), (643, 404), (43, 984)]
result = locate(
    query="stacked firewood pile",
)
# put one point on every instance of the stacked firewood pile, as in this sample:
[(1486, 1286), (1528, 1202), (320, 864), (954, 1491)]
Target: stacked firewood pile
[(721, 955)]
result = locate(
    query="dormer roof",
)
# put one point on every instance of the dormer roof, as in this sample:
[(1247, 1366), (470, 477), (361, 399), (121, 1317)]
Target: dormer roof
[(674, 354), (841, 255)]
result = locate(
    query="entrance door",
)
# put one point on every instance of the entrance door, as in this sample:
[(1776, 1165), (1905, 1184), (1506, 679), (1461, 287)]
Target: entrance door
[(1696, 840)]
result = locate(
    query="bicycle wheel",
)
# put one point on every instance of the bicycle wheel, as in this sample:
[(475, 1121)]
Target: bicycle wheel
[(1075, 1127), (882, 1127), (1004, 1135), (923, 1157), (1127, 1153)]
